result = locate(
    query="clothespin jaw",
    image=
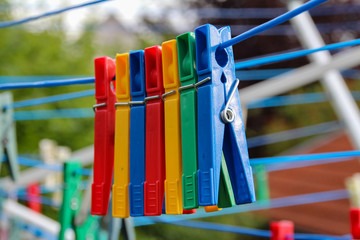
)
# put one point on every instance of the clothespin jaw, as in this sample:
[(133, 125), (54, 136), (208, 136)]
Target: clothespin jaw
[(188, 109), (71, 205), (155, 152), (8, 146), (137, 133), (104, 134), (220, 125), (173, 155), (282, 230), (122, 137)]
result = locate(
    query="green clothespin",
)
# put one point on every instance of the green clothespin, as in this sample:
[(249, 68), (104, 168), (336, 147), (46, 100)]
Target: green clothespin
[(188, 77), (8, 146), (71, 205), (261, 181), (188, 108)]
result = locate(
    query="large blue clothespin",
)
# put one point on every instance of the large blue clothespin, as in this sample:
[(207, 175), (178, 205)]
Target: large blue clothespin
[(220, 124), (137, 132), (8, 146)]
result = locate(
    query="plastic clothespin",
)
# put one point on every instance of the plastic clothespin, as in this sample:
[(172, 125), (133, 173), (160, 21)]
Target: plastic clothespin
[(33, 194), (173, 156), (8, 146), (137, 133), (353, 187), (188, 77), (188, 97), (120, 192), (104, 134), (282, 230), (220, 125), (155, 152), (355, 222), (261, 182), (71, 205)]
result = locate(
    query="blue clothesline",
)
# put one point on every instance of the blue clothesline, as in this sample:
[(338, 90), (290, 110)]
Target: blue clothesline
[(272, 23), (47, 14), (293, 55), (293, 134)]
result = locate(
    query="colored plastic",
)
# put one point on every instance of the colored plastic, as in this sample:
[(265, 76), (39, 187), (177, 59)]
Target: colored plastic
[(355, 222), (104, 135), (137, 133), (282, 230), (33, 194), (188, 76), (120, 192), (226, 195), (261, 181), (173, 155), (155, 152), (71, 205), (215, 136), (8, 145)]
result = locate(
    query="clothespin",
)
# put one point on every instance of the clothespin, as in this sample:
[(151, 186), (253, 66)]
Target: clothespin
[(353, 186), (173, 156), (188, 77), (122, 136), (282, 230), (220, 125), (33, 197), (8, 146), (137, 133), (71, 205), (261, 182), (155, 153), (188, 99), (104, 134)]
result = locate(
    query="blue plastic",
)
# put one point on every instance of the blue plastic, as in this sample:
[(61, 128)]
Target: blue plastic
[(137, 134), (214, 136)]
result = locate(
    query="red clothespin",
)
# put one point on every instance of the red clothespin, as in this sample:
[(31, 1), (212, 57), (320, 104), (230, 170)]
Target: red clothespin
[(104, 134), (282, 230), (353, 186), (154, 147), (33, 194), (355, 222)]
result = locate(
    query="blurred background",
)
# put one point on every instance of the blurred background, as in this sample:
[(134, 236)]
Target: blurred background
[(65, 45)]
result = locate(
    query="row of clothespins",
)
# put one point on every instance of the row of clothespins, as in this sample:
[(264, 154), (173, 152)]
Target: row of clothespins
[(176, 116)]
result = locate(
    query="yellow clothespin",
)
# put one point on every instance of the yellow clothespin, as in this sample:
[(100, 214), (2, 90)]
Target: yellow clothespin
[(173, 156), (122, 135)]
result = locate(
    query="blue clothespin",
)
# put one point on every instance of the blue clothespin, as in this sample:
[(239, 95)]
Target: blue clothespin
[(137, 133), (220, 124)]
